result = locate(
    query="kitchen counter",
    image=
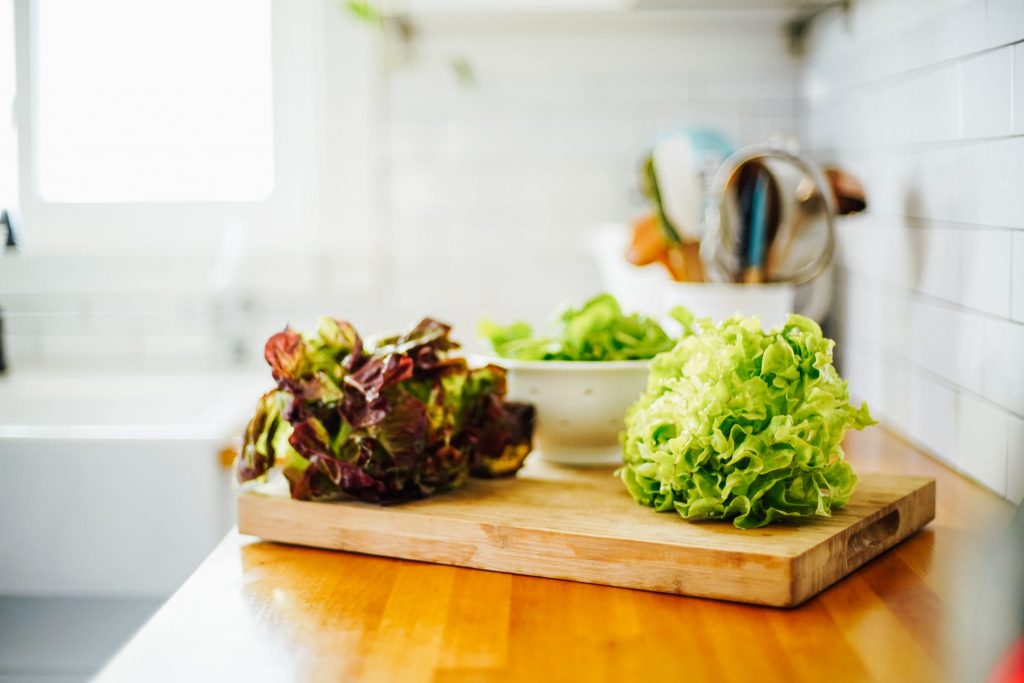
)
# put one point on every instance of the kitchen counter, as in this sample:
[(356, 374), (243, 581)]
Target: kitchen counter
[(257, 611)]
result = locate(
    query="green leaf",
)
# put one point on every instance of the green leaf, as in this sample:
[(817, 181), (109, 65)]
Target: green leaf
[(464, 73), (596, 331), (742, 424), (364, 10)]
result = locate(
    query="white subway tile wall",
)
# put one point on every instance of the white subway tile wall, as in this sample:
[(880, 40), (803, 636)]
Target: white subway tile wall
[(491, 187), (922, 100), (1018, 88), (1017, 283), (986, 95), (1015, 465)]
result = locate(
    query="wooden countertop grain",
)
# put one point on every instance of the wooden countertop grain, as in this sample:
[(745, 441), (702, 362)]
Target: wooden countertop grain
[(258, 611)]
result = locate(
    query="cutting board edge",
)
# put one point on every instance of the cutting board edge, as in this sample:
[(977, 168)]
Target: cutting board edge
[(674, 569), (777, 579), (361, 509), (917, 510)]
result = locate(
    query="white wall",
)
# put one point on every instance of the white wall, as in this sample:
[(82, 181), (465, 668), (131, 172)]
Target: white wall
[(491, 189), (924, 101)]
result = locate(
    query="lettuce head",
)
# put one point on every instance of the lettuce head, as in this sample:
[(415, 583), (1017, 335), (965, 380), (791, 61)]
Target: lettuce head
[(387, 420), (742, 424)]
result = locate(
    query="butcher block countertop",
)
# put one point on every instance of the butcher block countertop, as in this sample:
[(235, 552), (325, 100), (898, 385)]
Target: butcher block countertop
[(258, 611)]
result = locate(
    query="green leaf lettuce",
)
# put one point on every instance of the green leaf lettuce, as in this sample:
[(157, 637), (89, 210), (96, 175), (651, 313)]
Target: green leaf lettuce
[(596, 331), (742, 424)]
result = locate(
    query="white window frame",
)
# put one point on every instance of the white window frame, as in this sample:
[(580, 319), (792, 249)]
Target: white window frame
[(326, 100)]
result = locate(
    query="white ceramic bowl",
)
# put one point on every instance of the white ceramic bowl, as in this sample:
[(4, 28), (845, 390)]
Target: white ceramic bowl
[(580, 405)]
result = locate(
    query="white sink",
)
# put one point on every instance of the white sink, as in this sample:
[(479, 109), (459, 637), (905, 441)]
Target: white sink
[(112, 485)]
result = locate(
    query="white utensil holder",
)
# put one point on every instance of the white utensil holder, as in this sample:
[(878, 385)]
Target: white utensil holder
[(650, 290), (772, 303)]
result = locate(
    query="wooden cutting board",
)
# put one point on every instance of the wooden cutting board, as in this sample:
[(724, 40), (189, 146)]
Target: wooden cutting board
[(581, 525)]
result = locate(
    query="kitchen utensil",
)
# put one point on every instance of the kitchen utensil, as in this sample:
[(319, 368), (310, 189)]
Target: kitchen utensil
[(746, 183), (723, 247), (809, 204), (849, 196), (756, 229), (581, 525), (674, 186), (677, 174), (758, 199), (648, 243), (679, 165), (848, 191), (691, 257)]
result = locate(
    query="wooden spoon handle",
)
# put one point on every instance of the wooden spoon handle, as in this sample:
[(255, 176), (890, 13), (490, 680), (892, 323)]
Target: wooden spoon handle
[(694, 266)]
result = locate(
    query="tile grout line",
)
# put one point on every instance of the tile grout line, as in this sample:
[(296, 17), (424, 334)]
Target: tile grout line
[(931, 376), (890, 80), (891, 360), (928, 146), (925, 223), (850, 277), (1010, 283), (1013, 88)]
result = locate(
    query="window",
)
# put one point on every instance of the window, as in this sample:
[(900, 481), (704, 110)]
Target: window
[(144, 123), (153, 101), (8, 139)]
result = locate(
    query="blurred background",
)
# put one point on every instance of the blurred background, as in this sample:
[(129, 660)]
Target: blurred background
[(182, 179)]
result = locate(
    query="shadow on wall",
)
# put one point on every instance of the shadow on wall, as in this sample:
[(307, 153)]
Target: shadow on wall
[(913, 208)]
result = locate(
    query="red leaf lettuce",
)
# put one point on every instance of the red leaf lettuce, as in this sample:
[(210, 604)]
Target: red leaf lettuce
[(386, 422)]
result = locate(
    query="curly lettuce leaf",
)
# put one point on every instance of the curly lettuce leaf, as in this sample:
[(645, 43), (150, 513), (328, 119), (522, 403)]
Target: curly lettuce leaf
[(267, 440), (312, 366), (386, 421), (742, 424), (495, 432), (596, 331)]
